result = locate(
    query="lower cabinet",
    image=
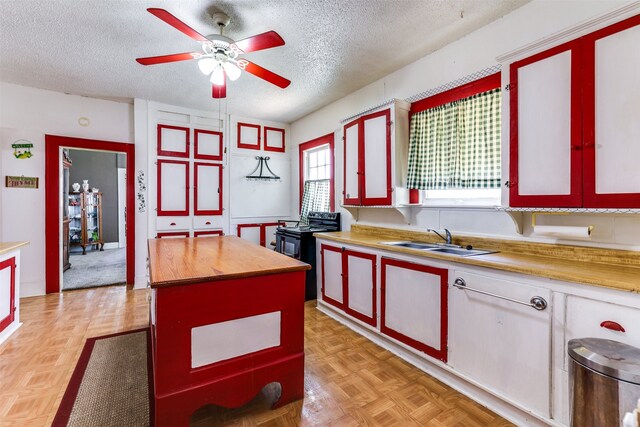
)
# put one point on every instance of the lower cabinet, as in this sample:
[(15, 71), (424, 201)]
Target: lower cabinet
[(349, 282), (500, 344), (414, 305), (263, 234)]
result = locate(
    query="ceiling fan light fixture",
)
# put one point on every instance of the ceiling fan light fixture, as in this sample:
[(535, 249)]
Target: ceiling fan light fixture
[(232, 70), (217, 77), (207, 65)]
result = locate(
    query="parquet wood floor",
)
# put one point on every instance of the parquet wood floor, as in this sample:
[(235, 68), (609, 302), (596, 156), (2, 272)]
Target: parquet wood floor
[(349, 381)]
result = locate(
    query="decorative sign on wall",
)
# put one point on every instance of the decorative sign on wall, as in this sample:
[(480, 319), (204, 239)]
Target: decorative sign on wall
[(22, 149), (21, 182)]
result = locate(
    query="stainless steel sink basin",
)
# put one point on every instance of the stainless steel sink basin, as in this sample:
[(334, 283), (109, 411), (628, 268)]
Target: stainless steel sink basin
[(440, 248), (462, 251), (413, 245)]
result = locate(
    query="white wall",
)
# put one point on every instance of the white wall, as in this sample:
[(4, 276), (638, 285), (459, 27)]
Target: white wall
[(29, 113), (534, 21)]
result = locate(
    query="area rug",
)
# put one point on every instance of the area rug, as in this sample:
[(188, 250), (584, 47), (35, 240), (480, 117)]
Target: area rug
[(96, 268), (110, 385)]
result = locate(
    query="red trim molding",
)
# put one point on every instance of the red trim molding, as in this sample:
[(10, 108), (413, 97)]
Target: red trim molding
[(472, 88), (161, 152), (248, 145), (184, 212), (198, 155), (268, 147), (438, 353), (11, 264), (345, 293), (53, 164), (325, 298), (198, 211), (314, 143), (172, 234)]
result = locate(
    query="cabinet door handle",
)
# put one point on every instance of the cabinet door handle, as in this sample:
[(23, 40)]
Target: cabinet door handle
[(207, 223), (173, 223), (614, 326)]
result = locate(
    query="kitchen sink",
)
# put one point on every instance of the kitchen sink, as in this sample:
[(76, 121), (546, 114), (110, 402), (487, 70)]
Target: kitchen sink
[(413, 245), (462, 251), (439, 247)]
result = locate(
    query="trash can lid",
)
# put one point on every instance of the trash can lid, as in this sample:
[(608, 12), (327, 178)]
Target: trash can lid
[(611, 358)]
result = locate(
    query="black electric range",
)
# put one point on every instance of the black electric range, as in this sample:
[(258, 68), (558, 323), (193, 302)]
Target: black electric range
[(297, 241)]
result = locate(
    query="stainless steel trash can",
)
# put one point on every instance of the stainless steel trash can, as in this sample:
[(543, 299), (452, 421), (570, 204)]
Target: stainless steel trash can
[(604, 381)]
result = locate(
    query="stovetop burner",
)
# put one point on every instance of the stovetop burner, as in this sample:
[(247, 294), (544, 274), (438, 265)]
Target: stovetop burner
[(318, 222)]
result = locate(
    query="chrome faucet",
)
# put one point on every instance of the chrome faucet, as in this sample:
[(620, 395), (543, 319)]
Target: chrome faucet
[(447, 239)]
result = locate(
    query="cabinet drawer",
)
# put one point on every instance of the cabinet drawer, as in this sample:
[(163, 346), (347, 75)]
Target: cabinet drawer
[(206, 222), (173, 223), (585, 317)]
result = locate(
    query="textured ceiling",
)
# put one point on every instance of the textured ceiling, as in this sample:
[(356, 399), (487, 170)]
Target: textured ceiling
[(333, 47)]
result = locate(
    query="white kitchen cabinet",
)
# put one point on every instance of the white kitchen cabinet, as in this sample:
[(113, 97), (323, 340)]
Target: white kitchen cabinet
[(574, 133), (587, 317), (190, 182), (207, 189), (349, 282), (375, 157), (173, 188), (414, 305), (262, 234), (332, 289), (501, 345)]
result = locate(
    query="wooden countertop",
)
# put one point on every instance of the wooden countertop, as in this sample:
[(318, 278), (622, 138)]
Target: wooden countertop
[(560, 264), (198, 259), (10, 246)]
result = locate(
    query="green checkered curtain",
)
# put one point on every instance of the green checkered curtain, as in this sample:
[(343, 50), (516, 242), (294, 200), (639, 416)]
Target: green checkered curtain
[(315, 198), (456, 145)]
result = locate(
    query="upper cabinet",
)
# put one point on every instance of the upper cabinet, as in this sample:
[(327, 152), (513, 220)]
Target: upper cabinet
[(375, 156), (574, 128)]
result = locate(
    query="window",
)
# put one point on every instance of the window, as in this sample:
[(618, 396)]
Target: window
[(454, 143), (316, 176)]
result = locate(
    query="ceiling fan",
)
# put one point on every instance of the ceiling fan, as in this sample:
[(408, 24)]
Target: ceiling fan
[(220, 56)]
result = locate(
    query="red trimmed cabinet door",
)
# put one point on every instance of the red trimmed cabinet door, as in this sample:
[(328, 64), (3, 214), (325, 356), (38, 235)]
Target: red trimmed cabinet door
[(332, 284), (7, 292), (359, 276), (367, 160), (545, 129), (207, 189), (349, 282), (414, 305), (611, 116), (173, 188)]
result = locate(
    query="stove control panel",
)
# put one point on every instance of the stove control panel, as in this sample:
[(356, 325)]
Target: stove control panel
[(323, 215)]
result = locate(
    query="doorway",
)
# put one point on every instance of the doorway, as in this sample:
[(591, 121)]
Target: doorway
[(54, 207), (94, 220)]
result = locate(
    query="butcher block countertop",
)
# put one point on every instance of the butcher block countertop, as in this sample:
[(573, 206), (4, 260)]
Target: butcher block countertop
[(181, 261), (616, 269), (10, 246)]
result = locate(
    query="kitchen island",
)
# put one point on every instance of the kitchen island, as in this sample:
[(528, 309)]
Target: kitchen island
[(227, 318)]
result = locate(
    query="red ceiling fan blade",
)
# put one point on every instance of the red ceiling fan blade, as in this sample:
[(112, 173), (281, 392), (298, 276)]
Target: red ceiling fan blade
[(265, 74), (151, 60), (220, 91), (260, 42), (177, 24)]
